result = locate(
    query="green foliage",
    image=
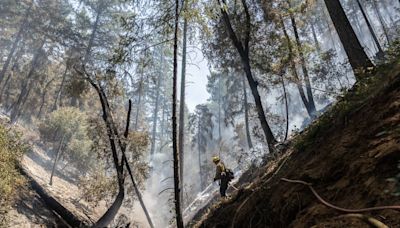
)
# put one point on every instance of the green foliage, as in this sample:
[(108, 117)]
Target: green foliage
[(11, 151), (71, 124)]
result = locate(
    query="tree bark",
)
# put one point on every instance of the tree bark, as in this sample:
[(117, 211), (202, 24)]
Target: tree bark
[(380, 53), (15, 43), (178, 212), (246, 115), (181, 136), (243, 50), (357, 57)]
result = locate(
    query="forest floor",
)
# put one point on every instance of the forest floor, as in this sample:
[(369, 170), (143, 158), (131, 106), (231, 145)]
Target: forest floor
[(30, 210), (348, 155)]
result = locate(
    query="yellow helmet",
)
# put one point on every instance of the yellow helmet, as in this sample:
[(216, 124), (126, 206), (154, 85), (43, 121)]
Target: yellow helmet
[(215, 159)]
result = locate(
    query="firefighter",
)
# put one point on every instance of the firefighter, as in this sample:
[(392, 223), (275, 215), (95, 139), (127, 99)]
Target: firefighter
[(220, 174)]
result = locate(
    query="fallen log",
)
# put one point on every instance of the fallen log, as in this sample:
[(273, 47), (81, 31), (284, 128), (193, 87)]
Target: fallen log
[(67, 216)]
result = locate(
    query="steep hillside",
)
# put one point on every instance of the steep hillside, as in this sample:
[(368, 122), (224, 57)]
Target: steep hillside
[(347, 155)]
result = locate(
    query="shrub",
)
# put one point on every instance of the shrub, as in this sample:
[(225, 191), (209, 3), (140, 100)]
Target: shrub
[(11, 151)]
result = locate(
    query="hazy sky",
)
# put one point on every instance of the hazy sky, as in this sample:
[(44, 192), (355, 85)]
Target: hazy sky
[(196, 78)]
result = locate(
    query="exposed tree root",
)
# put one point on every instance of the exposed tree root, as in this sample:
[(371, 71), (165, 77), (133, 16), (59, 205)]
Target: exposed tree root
[(394, 207), (372, 221)]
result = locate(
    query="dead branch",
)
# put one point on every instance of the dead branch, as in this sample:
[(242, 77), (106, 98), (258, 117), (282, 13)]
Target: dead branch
[(309, 185)]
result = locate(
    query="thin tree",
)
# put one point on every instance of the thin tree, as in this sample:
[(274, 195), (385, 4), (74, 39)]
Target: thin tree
[(178, 212), (181, 136), (355, 52), (246, 114), (309, 102), (17, 38), (379, 54), (243, 50)]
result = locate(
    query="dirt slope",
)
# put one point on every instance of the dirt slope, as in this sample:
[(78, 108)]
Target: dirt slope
[(347, 155)]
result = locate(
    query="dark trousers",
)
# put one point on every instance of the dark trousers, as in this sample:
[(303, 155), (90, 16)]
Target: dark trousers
[(223, 186)]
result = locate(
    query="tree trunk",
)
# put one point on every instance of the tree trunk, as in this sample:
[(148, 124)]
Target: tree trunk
[(155, 114), (26, 85), (310, 104), (380, 53), (56, 159), (43, 98), (178, 212), (138, 105), (181, 137), (99, 11), (293, 69), (314, 34), (219, 112), (11, 73), (243, 50), (162, 127), (58, 96), (128, 167), (381, 20), (357, 57), (15, 43), (199, 152), (114, 138), (246, 115), (286, 107)]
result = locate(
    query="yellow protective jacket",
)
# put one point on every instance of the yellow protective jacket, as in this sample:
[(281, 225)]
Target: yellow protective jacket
[(219, 171)]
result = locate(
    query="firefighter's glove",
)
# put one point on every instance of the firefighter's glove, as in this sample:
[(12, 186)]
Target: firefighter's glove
[(223, 174)]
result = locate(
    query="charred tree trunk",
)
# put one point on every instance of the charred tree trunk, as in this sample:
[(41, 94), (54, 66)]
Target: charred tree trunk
[(181, 136), (178, 212), (128, 167), (114, 139), (17, 38), (286, 107), (246, 115), (380, 53), (243, 50), (357, 57)]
